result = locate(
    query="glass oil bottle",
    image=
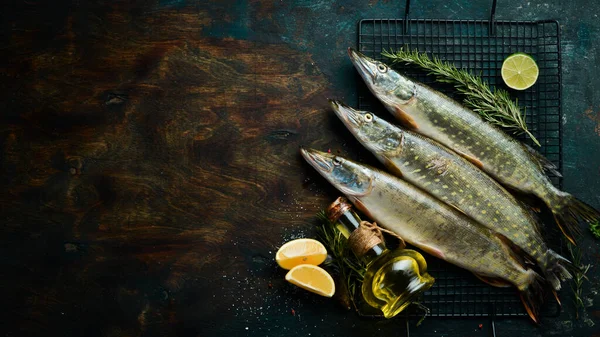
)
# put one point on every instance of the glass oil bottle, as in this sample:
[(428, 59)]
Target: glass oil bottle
[(394, 278)]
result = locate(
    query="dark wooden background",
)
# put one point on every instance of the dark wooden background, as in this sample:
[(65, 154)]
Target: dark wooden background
[(150, 167)]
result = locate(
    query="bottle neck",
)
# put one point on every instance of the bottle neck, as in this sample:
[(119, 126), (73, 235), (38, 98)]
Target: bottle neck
[(347, 223)]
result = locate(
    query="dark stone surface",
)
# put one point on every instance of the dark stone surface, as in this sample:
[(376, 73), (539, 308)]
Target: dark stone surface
[(150, 166)]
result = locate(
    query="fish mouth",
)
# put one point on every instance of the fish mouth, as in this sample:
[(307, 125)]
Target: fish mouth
[(348, 115), (321, 161), (365, 65)]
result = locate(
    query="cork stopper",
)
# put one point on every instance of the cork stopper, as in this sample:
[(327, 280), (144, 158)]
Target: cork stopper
[(366, 236), (337, 208)]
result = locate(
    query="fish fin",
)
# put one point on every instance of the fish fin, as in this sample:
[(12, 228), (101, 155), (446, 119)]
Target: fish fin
[(472, 159), (557, 268), (567, 211), (405, 119), (392, 168), (534, 212), (431, 250), (531, 292), (542, 161), (556, 297), (529, 283), (513, 250), (494, 281), (528, 200), (518, 254)]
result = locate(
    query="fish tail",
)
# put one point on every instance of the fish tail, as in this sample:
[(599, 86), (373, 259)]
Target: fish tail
[(567, 211), (531, 292), (557, 269)]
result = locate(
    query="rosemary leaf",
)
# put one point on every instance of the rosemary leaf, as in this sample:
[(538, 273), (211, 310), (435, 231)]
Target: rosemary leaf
[(350, 267), (578, 278), (495, 105), (595, 229)]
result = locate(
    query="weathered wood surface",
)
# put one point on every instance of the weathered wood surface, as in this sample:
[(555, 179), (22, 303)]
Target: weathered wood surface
[(145, 165), (150, 166)]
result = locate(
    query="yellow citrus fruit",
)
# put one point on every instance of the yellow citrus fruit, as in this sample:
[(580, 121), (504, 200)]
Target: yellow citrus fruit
[(519, 71), (312, 278), (300, 251)]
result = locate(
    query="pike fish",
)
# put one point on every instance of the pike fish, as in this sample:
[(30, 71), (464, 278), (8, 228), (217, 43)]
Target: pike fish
[(433, 114), (454, 180), (429, 224)]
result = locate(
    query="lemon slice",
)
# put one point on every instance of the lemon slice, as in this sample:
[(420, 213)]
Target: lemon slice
[(519, 71), (300, 251), (312, 278)]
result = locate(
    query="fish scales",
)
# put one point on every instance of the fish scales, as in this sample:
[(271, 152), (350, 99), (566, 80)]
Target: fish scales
[(455, 181), (439, 117), (423, 222), (427, 223), (457, 127)]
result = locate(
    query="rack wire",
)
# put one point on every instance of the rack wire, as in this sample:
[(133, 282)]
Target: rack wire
[(479, 46)]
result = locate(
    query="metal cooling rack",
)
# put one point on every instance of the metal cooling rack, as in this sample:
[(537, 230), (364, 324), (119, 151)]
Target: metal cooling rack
[(479, 46)]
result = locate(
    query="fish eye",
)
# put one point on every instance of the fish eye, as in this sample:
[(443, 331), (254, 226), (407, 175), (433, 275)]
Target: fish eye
[(369, 118), (337, 161), (382, 67)]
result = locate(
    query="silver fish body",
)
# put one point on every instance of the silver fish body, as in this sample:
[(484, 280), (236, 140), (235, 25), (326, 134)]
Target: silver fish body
[(452, 179), (427, 223), (435, 115)]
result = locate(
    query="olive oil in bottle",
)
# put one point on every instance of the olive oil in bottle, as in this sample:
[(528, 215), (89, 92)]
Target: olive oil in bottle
[(394, 278)]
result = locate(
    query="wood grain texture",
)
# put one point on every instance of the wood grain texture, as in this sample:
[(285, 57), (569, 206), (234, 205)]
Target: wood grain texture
[(150, 166), (136, 155)]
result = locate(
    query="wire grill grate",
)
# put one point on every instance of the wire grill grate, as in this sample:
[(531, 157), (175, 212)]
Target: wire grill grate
[(468, 44)]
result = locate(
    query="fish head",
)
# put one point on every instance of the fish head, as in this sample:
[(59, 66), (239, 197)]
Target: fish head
[(376, 134), (350, 178), (388, 85)]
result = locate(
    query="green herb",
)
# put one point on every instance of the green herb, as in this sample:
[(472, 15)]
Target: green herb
[(495, 105), (349, 266), (595, 229), (578, 278)]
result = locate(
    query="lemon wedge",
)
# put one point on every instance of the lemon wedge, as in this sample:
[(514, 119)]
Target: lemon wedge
[(300, 251), (312, 278)]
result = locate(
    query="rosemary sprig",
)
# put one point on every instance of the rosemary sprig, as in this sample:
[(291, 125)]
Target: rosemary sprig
[(595, 229), (495, 106), (351, 268), (578, 278)]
